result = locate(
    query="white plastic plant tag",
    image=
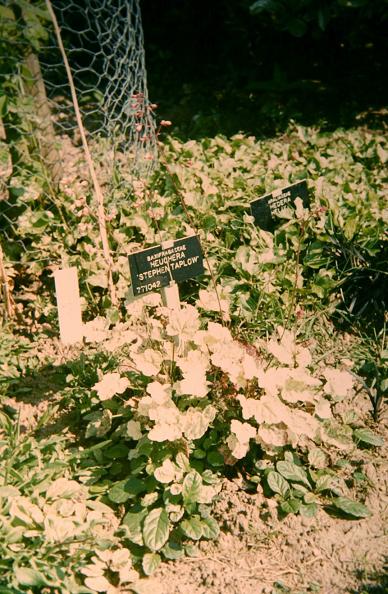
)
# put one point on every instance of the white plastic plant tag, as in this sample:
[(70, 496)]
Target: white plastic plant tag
[(69, 305)]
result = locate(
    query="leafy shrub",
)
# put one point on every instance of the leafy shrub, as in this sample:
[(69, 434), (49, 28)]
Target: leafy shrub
[(169, 400), (49, 523)]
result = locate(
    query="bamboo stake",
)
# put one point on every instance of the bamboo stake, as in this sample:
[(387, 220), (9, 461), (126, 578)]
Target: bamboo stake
[(92, 171), (8, 299), (5, 163)]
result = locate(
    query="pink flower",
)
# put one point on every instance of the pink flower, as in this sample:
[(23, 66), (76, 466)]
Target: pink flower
[(166, 123)]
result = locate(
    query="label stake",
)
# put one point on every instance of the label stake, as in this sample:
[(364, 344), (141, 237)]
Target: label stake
[(170, 294), (69, 305)]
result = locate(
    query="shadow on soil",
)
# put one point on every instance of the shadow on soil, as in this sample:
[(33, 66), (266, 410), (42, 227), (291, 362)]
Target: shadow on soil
[(51, 387)]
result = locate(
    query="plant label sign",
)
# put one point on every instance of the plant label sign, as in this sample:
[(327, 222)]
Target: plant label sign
[(156, 267), (266, 209), (69, 305)]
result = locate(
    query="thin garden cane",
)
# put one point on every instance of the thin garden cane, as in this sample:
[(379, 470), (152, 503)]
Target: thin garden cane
[(92, 171), (4, 284)]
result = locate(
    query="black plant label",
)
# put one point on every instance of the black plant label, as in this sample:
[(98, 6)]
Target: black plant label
[(267, 209), (156, 267)]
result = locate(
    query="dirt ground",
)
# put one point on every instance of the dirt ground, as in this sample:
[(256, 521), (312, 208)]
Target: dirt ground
[(259, 554)]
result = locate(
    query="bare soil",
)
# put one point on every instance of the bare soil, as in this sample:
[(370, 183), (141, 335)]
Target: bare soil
[(258, 553)]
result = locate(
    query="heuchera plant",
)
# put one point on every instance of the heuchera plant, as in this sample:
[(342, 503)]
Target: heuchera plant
[(167, 431)]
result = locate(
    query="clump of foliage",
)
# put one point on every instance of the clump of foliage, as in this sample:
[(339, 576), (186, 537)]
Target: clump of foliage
[(318, 256), (322, 257), (168, 402), (171, 401), (49, 522), (271, 395)]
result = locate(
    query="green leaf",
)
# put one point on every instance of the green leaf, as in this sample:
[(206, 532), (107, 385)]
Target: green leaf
[(210, 528), (3, 100), (309, 511), (156, 529), (325, 482), (299, 491), (261, 5), (291, 506), (173, 551), (191, 487), (350, 227), (317, 458), (292, 472), (192, 550), (209, 477), (150, 563), (277, 483), (315, 257), (26, 576), (215, 458), (360, 477), (339, 434), (367, 436), (119, 450), (199, 454), (297, 27), (133, 522), (209, 223), (100, 423), (182, 461), (41, 219), (117, 494), (127, 489), (353, 508), (192, 527), (6, 13)]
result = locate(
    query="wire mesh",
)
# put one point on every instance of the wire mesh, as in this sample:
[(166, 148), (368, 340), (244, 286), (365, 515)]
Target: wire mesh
[(104, 46), (47, 206)]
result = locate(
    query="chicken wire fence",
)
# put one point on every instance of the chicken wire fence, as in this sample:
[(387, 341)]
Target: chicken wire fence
[(47, 200)]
